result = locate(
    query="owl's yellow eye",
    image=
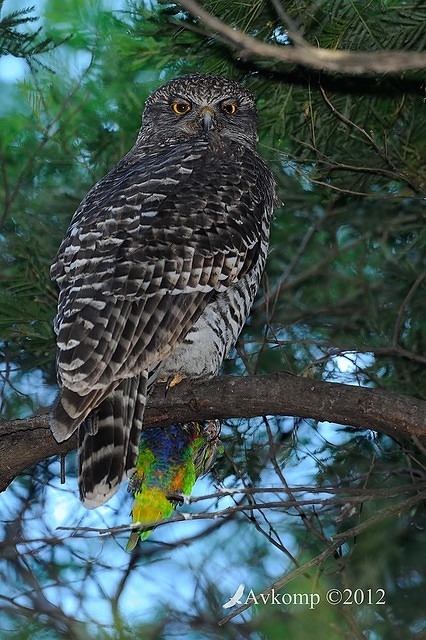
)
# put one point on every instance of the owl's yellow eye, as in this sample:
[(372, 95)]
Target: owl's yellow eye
[(229, 108), (180, 107)]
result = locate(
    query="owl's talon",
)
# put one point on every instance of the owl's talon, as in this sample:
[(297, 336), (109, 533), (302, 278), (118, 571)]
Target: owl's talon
[(173, 381)]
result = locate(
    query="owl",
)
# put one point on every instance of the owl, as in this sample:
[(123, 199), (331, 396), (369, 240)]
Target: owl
[(158, 270)]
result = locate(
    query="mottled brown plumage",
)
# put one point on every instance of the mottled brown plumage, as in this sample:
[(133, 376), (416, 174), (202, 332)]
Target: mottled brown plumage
[(159, 269)]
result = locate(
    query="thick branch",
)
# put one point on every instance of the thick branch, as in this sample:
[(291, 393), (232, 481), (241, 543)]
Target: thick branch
[(302, 53), (25, 442)]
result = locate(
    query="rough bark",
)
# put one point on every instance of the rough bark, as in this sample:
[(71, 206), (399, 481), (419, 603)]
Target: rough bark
[(25, 442)]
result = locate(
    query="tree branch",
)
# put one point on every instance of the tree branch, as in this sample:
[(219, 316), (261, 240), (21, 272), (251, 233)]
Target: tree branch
[(25, 442), (302, 53)]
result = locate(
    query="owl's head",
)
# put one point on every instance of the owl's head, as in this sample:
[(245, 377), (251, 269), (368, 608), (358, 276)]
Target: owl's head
[(199, 106)]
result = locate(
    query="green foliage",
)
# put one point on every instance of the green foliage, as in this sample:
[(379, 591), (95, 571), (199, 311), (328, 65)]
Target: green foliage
[(16, 41), (342, 300)]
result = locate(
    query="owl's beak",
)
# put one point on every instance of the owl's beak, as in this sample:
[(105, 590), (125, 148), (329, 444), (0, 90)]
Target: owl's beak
[(207, 119)]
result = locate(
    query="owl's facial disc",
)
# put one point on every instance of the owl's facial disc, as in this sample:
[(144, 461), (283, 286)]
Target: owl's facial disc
[(196, 118), (201, 119), (197, 106)]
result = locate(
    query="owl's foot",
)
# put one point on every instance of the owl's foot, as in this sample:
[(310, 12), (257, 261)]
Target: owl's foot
[(173, 381)]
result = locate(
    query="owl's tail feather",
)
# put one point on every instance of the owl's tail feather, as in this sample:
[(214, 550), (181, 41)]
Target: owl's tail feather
[(70, 410), (110, 450)]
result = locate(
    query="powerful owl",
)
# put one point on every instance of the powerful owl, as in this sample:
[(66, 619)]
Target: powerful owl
[(158, 270)]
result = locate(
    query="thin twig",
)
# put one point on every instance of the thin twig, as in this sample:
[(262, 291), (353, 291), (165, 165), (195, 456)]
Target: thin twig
[(336, 542), (400, 318)]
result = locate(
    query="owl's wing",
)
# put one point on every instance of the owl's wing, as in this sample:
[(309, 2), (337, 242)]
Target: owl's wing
[(149, 247)]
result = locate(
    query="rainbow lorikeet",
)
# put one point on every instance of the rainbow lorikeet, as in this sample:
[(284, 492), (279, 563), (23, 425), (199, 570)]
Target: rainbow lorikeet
[(169, 462)]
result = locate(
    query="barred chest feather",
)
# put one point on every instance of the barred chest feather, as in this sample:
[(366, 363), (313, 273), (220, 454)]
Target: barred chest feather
[(213, 336)]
